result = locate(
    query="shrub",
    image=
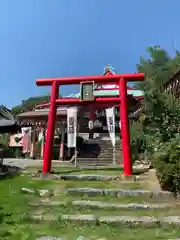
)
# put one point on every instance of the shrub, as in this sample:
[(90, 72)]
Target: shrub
[(166, 161), (141, 144)]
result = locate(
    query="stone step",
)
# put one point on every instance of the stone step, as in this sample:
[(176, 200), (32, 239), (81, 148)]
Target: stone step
[(92, 177), (94, 161), (102, 155), (106, 158), (88, 177), (120, 193), (107, 150), (108, 154), (110, 147), (101, 205), (100, 141), (135, 221), (85, 177), (98, 160), (118, 147), (97, 164)]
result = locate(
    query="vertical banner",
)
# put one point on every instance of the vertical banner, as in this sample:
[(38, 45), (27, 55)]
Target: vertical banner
[(26, 139), (41, 140), (120, 125), (71, 127), (110, 116), (90, 125)]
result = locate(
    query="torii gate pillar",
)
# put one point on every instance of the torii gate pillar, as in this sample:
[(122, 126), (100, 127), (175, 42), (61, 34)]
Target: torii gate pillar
[(51, 127), (125, 134)]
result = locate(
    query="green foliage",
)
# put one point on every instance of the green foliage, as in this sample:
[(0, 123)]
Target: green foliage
[(167, 163), (4, 140), (29, 104), (162, 109), (163, 113), (142, 144), (163, 117), (138, 141)]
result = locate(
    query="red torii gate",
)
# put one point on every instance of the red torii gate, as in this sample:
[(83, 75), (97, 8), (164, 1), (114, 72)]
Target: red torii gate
[(120, 79)]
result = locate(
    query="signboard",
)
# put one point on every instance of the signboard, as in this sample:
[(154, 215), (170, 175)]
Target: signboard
[(16, 140), (71, 127), (87, 91)]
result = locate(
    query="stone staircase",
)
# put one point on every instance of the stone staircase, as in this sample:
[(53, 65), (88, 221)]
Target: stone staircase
[(99, 202), (100, 152)]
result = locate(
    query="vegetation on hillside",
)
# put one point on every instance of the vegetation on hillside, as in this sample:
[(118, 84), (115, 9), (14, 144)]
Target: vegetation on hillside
[(29, 104), (158, 134)]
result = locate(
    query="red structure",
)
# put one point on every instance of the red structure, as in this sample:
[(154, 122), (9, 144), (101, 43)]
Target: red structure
[(121, 80)]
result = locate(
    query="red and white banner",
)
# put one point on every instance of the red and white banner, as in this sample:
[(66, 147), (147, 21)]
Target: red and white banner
[(110, 117)]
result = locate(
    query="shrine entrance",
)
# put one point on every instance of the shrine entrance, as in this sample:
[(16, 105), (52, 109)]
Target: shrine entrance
[(87, 98)]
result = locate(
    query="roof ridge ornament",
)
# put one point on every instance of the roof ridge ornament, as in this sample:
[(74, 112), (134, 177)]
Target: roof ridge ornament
[(108, 69)]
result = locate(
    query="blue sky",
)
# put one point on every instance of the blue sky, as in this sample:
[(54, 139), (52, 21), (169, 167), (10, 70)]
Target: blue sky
[(54, 38)]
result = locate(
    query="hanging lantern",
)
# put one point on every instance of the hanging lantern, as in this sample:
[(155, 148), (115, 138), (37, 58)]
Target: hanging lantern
[(108, 69)]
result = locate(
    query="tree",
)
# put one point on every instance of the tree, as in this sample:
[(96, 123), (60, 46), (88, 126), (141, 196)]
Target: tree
[(162, 111), (161, 108)]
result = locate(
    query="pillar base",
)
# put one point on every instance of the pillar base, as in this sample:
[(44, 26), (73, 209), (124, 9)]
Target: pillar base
[(128, 177)]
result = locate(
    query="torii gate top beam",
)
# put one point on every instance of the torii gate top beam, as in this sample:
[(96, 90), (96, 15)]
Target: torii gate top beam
[(134, 77)]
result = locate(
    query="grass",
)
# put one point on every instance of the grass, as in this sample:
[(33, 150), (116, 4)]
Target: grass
[(32, 231), (14, 206), (100, 184)]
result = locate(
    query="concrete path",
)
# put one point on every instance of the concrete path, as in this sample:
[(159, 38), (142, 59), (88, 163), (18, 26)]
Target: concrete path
[(22, 163)]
